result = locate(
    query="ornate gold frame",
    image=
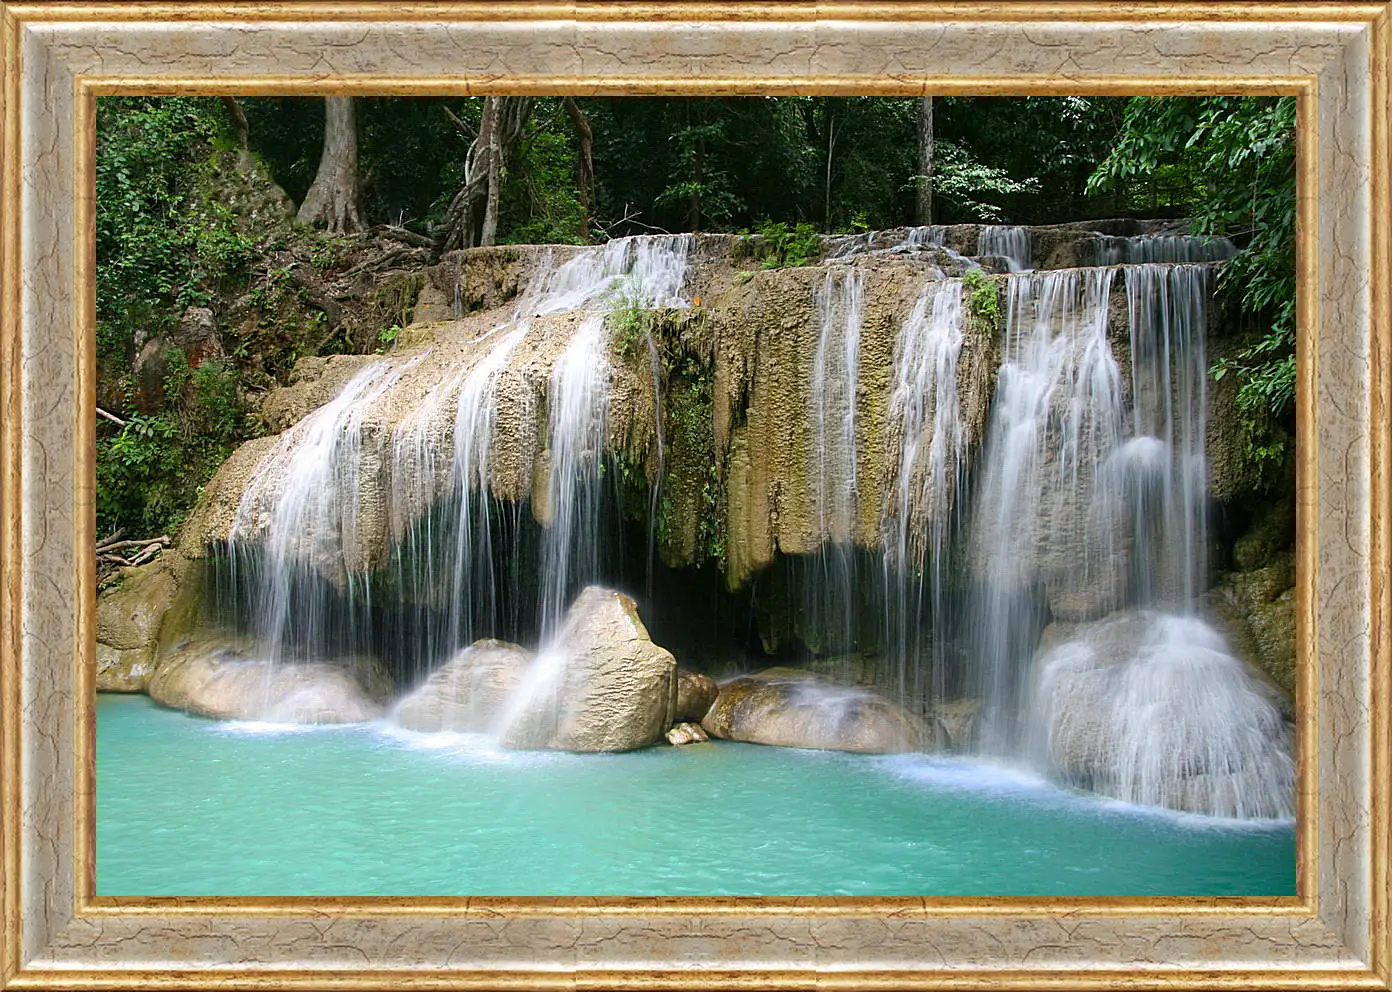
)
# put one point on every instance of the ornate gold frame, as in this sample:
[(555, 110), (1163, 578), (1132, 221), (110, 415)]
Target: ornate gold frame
[(58, 57)]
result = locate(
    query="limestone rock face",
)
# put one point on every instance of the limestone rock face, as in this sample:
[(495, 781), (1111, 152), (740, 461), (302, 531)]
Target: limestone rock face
[(124, 671), (137, 616), (469, 692), (313, 382), (603, 686), (790, 707), (224, 681), (129, 615), (695, 693), (954, 724)]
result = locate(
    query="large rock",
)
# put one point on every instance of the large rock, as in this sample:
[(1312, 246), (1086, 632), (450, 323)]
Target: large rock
[(790, 707), (1154, 709), (129, 614), (139, 614), (695, 694), (603, 686), (124, 671), (226, 682), (469, 692)]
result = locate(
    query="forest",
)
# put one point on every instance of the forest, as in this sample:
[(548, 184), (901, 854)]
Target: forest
[(231, 230)]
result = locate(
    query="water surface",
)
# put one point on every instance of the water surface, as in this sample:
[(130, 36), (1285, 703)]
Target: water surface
[(187, 806)]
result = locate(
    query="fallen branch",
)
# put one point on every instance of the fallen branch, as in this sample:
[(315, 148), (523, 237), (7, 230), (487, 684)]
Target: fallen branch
[(111, 538), (403, 235), (111, 417), (161, 541), (146, 555)]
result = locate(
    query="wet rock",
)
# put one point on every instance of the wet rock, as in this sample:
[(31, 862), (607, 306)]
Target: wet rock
[(695, 693), (686, 733), (469, 692), (129, 614), (226, 681), (954, 724), (790, 707), (124, 671), (147, 607), (603, 686)]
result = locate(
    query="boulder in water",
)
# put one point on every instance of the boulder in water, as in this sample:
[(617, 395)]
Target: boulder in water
[(602, 686), (150, 606), (469, 692), (695, 694), (123, 671), (224, 681), (1153, 709), (790, 707), (686, 733)]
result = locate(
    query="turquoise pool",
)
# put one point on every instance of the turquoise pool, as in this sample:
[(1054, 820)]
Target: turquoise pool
[(187, 806)]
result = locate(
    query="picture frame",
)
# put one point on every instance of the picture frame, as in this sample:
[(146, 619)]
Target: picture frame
[(57, 933)]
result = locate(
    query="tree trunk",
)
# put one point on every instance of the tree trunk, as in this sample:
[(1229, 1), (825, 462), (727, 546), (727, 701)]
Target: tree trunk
[(585, 173), (239, 121), (501, 126), (831, 149), (333, 201), (495, 178), (925, 161)]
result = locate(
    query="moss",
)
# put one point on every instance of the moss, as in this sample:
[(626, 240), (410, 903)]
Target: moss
[(394, 301), (983, 301)]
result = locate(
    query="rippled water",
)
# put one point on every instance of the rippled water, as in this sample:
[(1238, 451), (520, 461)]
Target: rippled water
[(187, 806)]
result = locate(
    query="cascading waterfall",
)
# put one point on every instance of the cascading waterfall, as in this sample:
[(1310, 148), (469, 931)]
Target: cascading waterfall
[(835, 486), (296, 544), (1163, 467), (1082, 501), (1151, 706), (1057, 411), (1085, 507), (578, 403), (1140, 249), (290, 537), (929, 439), (1010, 243), (930, 235)]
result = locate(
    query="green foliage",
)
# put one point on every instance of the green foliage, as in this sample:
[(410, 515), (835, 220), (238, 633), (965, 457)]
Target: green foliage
[(975, 189), (983, 301), (778, 246), (541, 202), (1235, 157), (159, 249), (149, 474), (629, 326), (387, 336)]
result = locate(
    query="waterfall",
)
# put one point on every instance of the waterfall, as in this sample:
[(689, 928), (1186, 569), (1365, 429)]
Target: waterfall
[(834, 487), (1140, 249), (1010, 243), (293, 510), (1163, 468), (928, 442), (578, 403), (1057, 410), (932, 235), (1152, 708), (1043, 554), (297, 543)]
